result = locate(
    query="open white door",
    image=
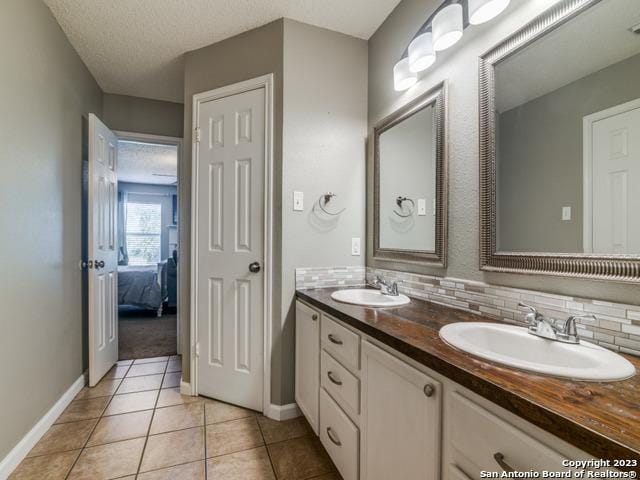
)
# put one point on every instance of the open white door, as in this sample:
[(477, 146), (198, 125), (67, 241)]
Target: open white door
[(102, 250), (229, 247)]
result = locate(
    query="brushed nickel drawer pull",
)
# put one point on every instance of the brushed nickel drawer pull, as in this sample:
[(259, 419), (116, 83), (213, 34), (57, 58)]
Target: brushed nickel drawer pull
[(429, 390), (499, 458), (333, 339), (314, 317), (333, 379), (334, 440)]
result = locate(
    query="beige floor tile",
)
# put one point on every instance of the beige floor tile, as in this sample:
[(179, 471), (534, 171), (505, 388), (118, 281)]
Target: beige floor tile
[(172, 380), (300, 458), (172, 396), (108, 461), (150, 360), (46, 467), (174, 366), (123, 363), (146, 369), (173, 448), (275, 431), (63, 437), (140, 384), (83, 410), (217, 412), (105, 388), (117, 372), (248, 465), (121, 427), (188, 471), (233, 436), (177, 417), (132, 402)]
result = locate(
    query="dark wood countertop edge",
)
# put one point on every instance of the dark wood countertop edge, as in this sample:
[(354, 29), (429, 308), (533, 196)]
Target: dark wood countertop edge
[(564, 428)]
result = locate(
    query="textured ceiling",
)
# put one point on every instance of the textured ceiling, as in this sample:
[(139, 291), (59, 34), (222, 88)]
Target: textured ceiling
[(147, 163), (135, 47)]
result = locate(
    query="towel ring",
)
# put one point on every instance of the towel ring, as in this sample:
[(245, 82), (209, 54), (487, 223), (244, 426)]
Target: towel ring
[(399, 202), (324, 199)]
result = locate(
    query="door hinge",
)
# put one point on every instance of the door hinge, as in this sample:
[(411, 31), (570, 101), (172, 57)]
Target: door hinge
[(197, 349), (196, 134)]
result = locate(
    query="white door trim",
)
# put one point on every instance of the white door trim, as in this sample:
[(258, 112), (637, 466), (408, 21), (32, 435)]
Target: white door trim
[(587, 166), (266, 82), (182, 223)]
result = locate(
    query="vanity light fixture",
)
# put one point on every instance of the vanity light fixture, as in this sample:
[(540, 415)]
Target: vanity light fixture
[(403, 77), (447, 27), (440, 31), (421, 52), (481, 11)]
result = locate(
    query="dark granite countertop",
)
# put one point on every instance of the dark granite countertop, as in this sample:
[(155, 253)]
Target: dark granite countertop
[(602, 419)]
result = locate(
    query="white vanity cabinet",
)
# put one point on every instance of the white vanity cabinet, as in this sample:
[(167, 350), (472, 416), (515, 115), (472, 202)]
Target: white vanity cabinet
[(383, 416), (308, 362), (400, 422)]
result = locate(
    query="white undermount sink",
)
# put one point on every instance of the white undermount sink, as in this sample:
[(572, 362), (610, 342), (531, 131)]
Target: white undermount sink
[(369, 298), (516, 347)]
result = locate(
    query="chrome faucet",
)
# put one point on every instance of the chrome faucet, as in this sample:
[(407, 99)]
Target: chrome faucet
[(385, 287), (548, 328)]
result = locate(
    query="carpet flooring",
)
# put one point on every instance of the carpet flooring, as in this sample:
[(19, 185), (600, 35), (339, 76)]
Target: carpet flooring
[(142, 334)]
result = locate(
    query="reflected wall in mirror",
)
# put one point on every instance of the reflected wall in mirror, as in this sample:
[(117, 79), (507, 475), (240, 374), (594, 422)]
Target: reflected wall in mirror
[(560, 143), (410, 182)]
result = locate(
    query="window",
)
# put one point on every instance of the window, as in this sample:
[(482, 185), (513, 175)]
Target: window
[(143, 229)]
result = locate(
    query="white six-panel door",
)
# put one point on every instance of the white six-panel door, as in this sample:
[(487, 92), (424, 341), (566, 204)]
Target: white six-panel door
[(616, 183), (102, 249), (230, 181)]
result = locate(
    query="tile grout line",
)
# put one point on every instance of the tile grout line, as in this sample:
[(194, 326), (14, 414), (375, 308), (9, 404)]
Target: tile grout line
[(204, 428), (146, 438), (266, 447), (84, 447)]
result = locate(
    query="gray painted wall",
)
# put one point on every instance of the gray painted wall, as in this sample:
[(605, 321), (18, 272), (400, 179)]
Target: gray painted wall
[(408, 169), (459, 65), (540, 159), (155, 193), (143, 115), (45, 91), (324, 131), (245, 56)]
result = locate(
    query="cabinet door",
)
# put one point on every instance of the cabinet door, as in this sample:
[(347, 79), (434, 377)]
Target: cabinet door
[(308, 362), (400, 421)]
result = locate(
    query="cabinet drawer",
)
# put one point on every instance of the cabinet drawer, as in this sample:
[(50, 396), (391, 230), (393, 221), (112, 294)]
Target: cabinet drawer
[(340, 342), (340, 383), (482, 441), (454, 473), (339, 437)]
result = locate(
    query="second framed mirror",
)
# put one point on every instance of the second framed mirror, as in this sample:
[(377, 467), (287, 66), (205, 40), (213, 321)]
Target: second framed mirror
[(410, 182)]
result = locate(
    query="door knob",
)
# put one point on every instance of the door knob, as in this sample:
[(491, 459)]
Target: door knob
[(254, 267), (98, 263)]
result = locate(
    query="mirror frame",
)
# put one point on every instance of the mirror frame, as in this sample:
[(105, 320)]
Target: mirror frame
[(437, 97), (611, 267)]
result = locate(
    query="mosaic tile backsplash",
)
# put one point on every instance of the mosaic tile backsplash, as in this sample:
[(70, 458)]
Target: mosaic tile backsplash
[(617, 326)]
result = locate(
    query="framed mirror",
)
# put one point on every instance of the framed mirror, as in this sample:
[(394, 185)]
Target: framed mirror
[(410, 182), (560, 144)]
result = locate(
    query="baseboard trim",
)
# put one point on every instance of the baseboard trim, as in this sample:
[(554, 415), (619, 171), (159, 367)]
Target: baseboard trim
[(282, 412), (185, 388), (24, 446)]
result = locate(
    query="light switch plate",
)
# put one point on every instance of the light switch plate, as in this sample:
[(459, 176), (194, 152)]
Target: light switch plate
[(566, 213), (298, 201), (355, 246), (422, 206)]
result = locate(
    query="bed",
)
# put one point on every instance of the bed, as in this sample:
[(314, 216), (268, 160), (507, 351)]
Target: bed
[(142, 286)]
